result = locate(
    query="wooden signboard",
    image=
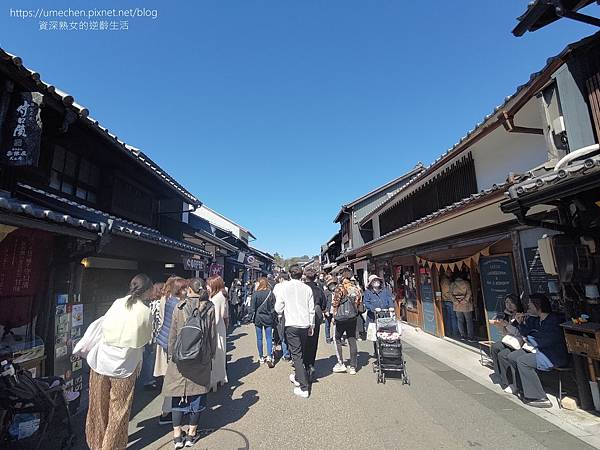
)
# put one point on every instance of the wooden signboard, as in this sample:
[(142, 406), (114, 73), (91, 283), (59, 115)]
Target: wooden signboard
[(497, 280)]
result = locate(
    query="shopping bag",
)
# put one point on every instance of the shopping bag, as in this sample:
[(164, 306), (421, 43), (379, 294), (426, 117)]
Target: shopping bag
[(372, 332)]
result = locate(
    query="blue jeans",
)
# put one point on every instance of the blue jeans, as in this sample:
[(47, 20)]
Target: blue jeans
[(147, 372), (328, 327), (268, 337), (463, 317)]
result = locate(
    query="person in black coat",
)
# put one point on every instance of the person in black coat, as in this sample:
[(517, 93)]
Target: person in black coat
[(320, 305), (541, 328), (262, 307)]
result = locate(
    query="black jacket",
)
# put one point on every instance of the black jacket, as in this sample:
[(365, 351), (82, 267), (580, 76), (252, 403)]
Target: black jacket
[(320, 301), (264, 310), (549, 337)]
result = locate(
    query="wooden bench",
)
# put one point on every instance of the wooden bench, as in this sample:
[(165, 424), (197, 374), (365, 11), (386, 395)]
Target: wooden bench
[(560, 371)]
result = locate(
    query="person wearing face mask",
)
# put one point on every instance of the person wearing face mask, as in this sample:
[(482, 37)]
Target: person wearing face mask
[(331, 284), (376, 296)]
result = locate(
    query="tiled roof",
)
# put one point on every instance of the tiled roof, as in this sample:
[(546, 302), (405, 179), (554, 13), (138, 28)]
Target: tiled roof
[(576, 170), (117, 224), (490, 118), (441, 212), (83, 114), (24, 208)]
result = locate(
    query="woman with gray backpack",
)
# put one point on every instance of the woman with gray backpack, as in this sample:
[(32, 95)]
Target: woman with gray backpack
[(192, 346)]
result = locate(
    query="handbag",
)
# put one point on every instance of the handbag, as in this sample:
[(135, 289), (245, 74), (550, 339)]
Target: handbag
[(90, 340), (372, 332), (513, 342)]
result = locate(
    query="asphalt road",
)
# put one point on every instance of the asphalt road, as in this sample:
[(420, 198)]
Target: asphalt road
[(441, 409)]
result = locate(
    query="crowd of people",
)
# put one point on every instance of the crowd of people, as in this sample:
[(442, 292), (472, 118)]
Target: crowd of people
[(173, 336)]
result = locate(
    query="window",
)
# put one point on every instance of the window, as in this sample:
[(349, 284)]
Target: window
[(74, 175)]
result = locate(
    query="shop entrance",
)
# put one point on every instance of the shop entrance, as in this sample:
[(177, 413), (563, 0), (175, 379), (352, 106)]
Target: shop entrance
[(462, 304), (405, 291)]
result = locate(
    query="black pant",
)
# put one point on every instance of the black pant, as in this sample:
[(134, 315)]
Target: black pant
[(498, 352), (296, 340), (312, 343), (233, 314)]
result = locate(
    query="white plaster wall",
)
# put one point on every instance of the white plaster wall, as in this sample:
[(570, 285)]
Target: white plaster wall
[(501, 152)]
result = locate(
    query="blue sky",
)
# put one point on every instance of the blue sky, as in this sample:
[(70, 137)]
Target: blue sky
[(277, 112)]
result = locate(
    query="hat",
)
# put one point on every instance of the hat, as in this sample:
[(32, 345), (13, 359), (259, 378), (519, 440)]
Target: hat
[(330, 279), (371, 278)]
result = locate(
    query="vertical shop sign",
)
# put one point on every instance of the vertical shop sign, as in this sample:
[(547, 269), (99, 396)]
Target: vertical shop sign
[(23, 131)]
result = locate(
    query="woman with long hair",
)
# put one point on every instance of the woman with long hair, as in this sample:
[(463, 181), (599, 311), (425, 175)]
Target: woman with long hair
[(175, 290), (126, 329), (262, 307), (187, 381), (216, 290)]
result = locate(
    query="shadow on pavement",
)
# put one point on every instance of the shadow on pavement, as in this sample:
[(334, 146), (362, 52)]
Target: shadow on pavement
[(223, 408)]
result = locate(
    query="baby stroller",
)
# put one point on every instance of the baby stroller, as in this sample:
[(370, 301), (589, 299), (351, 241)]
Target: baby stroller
[(22, 395), (388, 346)]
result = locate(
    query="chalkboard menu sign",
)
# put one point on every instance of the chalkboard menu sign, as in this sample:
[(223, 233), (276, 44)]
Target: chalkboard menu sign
[(497, 280), (537, 277), (429, 324)]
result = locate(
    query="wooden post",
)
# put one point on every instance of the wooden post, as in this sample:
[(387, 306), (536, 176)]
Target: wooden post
[(522, 284)]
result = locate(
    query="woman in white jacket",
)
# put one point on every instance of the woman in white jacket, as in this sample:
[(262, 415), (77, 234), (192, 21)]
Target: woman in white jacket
[(126, 329)]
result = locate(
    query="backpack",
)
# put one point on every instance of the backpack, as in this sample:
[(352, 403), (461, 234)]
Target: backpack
[(346, 310), (192, 339)]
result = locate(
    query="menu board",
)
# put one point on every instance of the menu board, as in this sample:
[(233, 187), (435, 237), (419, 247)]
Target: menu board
[(429, 324), (537, 277), (497, 281)]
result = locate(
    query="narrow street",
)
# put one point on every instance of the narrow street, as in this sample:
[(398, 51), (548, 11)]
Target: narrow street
[(440, 409)]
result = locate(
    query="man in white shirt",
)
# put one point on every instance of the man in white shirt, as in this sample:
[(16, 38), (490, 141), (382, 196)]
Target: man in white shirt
[(295, 300)]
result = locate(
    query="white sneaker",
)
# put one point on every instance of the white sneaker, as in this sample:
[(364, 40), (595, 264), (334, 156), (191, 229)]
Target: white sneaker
[(511, 389), (293, 380), (351, 370), (300, 393), (339, 368), (262, 360)]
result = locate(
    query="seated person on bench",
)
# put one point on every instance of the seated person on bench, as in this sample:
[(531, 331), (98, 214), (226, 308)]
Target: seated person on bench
[(508, 326), (547, 349)]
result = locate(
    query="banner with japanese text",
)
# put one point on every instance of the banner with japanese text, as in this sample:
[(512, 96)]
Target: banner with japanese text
[(22, 132)]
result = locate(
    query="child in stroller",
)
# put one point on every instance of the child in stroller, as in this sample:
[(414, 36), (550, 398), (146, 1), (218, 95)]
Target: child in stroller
[(20, 393), (388, 346)]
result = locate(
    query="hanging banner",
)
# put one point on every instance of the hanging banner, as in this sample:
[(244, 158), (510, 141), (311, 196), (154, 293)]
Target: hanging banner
[(456, 265), (216, 269), (23, 131)]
